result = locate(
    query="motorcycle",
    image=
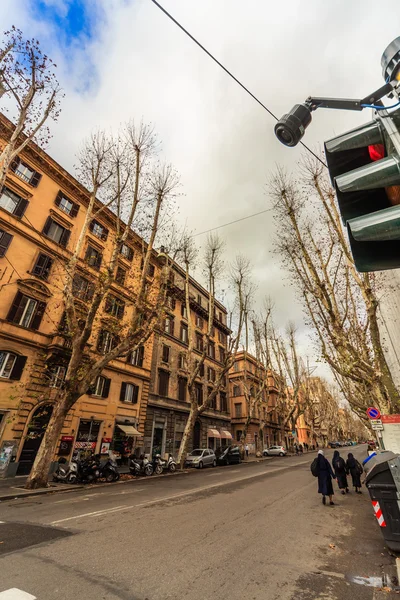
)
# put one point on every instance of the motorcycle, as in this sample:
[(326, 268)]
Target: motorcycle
[(109, 470), (66, 472), (89, 470), (140, 466), (159, 464)]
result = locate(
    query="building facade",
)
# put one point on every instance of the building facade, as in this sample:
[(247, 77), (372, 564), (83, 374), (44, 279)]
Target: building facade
[(264, 424), (168, 403), (42, 210)]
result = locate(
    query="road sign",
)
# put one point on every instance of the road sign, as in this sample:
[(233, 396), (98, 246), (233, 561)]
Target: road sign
[(373, 413), (376, 422), (377, 427)]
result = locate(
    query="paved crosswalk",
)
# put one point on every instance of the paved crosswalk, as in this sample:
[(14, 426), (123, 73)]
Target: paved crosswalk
[(16, 594)]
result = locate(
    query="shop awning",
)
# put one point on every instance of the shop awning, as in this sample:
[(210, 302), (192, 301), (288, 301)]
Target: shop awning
[(213, 433), (226, 435), (129, 430)]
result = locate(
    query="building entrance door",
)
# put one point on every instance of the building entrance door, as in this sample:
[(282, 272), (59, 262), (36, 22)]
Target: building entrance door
[(196, 435), (34, 436), (158, 440)]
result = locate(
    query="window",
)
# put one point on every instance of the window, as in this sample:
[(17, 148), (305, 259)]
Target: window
[(106, 342), (56, 232), (199, 342), (239, 435), (238, 411), (182, 361), (211, 350), (182, 382), (199, 322), (252, 392), (5, 241), (13, 203), (11, 365), (57, 376), (184, 333), (42, 266), (66, 205), (236, 367), (211, 374), (171, 302), (220, 317), (129, 393), (126, 252), (199, 393), (221, 337), (169, 325), (120, 275), (222, 354), (199, 299), (25, 172), (236, 391), (222, 402), (150, 270), (115, 306), (165, 354), (163, 383), (26, 311), (212, 331), (136, 357), (82, 288), (201, 370), (98, 230), (93, 257), (183, 310), (101, 387), (213, 402)]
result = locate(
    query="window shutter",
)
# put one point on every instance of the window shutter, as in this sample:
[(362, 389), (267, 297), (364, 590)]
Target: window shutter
[(14, 307), (5, 239), (64, 238), (121, 310), (18, 368), (100, 341), (74, 210), (122, 392), (91, 389), (57, 201), (97, 264), (21, 207), (14, 164), (106, 388), (104, 235), (108, 305), (140, 356), (35, 179), (37, 319), (46, 227), (135, 394), (90, 291), (91, 226)]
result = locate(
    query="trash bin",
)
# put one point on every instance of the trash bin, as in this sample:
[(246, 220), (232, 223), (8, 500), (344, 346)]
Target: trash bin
[(383, 484)]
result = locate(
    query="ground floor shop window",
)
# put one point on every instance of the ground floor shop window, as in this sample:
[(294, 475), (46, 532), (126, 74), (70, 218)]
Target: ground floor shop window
[(88, 432), (158, 439)]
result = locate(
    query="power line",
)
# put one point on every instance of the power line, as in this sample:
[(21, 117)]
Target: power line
[(182, 28), (232, 222)]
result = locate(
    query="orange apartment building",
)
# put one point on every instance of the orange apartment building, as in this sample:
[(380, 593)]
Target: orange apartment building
[(246, 376), (42, 209)]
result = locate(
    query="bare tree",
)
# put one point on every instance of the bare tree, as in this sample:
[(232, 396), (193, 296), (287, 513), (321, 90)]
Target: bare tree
[(121, 175), (239, 276), (341, 305), (29, 86)]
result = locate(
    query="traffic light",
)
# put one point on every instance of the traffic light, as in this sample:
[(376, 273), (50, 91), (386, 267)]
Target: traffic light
[(364, 165)]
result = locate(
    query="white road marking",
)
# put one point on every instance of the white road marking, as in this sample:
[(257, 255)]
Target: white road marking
[(16, 594), (191, 492), (1, 521)]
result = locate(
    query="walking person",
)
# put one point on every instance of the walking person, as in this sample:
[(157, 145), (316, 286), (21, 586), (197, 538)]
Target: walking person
[(354, 468), (339, 466), (325, 476), (246, 449)]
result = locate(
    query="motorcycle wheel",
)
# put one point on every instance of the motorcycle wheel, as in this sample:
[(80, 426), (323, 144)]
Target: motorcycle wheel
[(72, 478), (110, 477), (158, 470), (148, 470), (116, 476), (172, 468)]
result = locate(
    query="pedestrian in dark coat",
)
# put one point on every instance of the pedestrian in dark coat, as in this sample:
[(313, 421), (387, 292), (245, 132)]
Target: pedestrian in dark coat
[(354, 468), (325, 475), (339, 467)]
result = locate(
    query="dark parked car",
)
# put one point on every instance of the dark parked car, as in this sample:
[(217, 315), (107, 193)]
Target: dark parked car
[(230, 456)]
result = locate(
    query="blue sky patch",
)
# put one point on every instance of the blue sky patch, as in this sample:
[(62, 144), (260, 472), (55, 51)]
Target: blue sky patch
[(72, 18)]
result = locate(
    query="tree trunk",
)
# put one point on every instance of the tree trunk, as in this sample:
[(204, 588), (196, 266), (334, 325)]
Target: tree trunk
[(40, 470), (186, 436)]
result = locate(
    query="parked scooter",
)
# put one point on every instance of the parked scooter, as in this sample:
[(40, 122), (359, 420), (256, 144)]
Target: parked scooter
[(89, 469), (160, 465), (140, 466), (109, 470), (66, 472)]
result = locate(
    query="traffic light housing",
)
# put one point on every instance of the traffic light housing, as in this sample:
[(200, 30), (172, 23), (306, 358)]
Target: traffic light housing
[(364, 164)]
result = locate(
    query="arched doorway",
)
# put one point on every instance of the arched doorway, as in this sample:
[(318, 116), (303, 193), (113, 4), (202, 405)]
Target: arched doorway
[(33, 439), (196, 434)]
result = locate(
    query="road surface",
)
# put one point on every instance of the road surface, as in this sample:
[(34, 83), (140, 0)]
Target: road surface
[(253, 531)]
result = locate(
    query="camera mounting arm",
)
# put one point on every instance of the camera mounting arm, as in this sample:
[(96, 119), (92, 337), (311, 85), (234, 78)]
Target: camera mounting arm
[(348, 103)]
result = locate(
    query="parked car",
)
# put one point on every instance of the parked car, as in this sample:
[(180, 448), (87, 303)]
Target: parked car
[(275, 451), (334, 445), (201, 457), (230, 456)]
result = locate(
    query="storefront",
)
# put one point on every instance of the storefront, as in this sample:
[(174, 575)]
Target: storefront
[(87, 436), (213, 438), (126, 439)]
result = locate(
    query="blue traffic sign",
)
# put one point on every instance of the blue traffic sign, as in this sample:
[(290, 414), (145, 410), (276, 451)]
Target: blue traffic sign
[(373, 413)]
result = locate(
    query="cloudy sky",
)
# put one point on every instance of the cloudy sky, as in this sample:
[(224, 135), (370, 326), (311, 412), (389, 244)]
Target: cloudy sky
[(119, 59)]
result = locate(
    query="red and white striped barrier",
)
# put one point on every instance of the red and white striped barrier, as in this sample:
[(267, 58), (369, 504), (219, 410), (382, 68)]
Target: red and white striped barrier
[(378, 513)]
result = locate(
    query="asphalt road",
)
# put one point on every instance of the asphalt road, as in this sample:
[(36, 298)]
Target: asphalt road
[(255, 532)]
